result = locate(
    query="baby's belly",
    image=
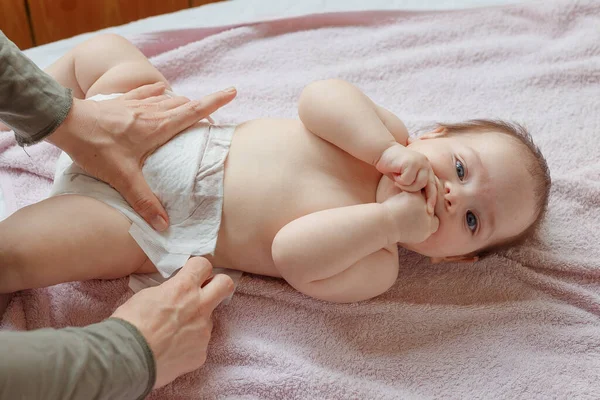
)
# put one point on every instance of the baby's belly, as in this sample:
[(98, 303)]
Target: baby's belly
[(276, 172)]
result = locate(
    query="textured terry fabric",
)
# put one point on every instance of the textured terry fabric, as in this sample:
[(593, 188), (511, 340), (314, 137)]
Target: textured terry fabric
[(524, 324)]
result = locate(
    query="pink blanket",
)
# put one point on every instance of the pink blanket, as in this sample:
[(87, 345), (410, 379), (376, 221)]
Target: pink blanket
[(525, 324)]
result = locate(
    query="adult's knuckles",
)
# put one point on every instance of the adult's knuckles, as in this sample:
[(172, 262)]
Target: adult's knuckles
[(195, 273), (142, 204), (186, 286)]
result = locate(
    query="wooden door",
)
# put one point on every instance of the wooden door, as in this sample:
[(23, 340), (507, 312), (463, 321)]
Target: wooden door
[(57, 19), (14, 22), (196, 3)]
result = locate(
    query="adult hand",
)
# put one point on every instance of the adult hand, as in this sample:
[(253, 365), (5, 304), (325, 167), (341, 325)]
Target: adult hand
[(175, 317), (111, 139)]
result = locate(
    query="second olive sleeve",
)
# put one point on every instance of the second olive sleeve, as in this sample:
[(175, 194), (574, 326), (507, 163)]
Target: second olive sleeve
[(32, 103), (108, 360)]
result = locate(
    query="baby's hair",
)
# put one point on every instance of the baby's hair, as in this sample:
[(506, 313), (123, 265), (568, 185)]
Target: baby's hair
[(536, 166)]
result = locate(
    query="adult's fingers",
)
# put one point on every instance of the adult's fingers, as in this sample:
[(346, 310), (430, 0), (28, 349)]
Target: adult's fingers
[(173, 102), (137, 193), (155, 99), (217, 290), (182, 117), (195, 271), (145, 91)]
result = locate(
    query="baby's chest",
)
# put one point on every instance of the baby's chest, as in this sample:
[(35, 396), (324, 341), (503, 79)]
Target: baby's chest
[(277, 171), (321, 187)]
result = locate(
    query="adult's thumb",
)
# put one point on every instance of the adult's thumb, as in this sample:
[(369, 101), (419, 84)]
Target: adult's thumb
[(138, 194)]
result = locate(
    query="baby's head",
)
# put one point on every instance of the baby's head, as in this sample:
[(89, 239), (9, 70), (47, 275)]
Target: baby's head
[(493, 188)]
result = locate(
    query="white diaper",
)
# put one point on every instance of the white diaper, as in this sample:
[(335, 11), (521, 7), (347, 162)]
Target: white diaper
[(186, 174)]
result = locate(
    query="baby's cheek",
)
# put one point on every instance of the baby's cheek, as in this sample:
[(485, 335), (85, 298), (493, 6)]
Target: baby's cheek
[(442, 236)]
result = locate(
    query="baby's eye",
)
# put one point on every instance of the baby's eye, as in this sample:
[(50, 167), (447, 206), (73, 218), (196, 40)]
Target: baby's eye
[(471, 221), (460, 170)]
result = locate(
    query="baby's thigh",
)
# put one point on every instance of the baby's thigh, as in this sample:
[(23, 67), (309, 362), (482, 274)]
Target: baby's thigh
[(66, 238)]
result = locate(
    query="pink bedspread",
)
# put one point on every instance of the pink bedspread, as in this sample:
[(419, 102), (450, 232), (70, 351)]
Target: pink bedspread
[(525, 324)]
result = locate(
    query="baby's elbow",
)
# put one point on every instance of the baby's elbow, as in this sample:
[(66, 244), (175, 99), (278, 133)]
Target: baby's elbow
[(333, 292), (277, 251), (317, 96), (317, 90), (309, 103)]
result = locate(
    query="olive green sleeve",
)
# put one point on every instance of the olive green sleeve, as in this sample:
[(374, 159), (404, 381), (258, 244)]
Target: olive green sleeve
[(31, 101), (108, 360)]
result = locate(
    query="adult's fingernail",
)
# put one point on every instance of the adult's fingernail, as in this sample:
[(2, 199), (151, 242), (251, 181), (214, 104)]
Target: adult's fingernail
[(159, 223), (230, 90)]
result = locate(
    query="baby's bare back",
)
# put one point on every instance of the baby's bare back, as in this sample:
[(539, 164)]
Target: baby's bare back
[(276, 172)]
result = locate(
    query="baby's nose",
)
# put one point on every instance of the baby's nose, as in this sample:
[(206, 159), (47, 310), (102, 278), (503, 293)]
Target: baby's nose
[(450, 198)]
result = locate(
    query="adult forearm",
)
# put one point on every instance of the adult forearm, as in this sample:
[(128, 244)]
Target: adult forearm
[(31, 102), (340, 113), (109, 360), (323, 244)]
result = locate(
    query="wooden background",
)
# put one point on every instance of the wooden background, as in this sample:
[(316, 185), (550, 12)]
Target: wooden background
[(31, 23)]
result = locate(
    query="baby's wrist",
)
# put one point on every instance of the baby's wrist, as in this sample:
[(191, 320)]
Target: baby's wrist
[(382, 162), (390, 225)]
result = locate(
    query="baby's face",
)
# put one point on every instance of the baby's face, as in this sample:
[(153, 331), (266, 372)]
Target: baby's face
[(485, 192)]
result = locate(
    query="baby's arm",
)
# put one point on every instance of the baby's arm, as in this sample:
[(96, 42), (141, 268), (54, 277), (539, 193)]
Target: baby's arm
[(342, 255), (341, 114)]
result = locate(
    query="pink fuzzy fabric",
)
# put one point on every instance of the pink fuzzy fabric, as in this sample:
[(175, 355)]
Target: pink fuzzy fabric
[(524, 324)]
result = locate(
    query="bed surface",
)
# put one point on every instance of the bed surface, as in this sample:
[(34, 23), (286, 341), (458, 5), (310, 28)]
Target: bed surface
[(521, 324), (241, 11)]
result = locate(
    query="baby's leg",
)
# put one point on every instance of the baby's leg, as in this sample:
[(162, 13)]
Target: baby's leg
[(63, 239)]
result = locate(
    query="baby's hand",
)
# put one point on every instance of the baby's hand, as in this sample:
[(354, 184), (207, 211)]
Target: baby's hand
[(410, 171), (408, 218)]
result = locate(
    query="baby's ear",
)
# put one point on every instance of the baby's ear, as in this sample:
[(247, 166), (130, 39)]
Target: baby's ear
[(469, 258), (434, 134)]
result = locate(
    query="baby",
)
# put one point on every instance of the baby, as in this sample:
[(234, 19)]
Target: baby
[(322, 201)]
